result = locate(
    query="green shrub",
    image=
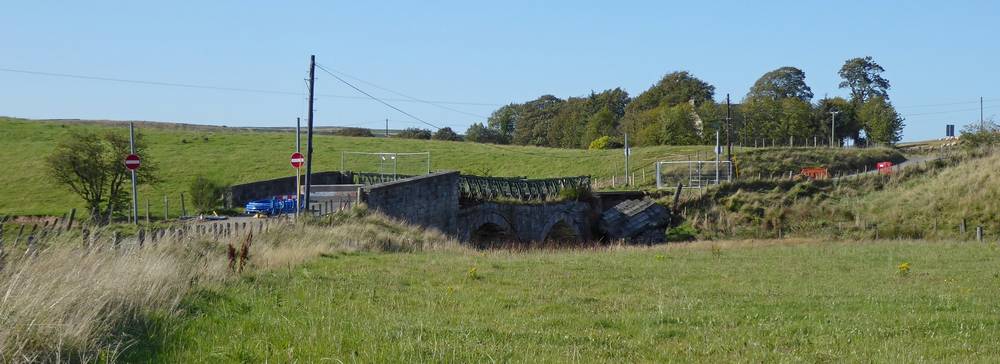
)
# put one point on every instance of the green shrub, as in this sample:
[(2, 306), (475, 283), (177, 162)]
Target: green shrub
[(206, 195), (683, 232), (414, 133), (604, 142), (354, 132)]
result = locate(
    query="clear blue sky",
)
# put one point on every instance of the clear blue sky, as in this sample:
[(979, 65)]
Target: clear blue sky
[(476, 52)]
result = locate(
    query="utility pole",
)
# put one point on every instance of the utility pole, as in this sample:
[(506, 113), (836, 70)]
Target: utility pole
[(386, 127), (833, 123), (982, 122), (309, 137), (729, 131), (627, 153), (135, 195)]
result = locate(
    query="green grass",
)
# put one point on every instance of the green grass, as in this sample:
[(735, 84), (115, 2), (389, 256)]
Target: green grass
[(707, 302), (238, 156), (766, 162)]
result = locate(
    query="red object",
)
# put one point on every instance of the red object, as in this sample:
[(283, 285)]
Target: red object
[(815, 173), (884, 167), (297, 160), (132, 162)]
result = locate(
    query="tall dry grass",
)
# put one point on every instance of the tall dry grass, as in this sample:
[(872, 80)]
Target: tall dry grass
[(70, 303)]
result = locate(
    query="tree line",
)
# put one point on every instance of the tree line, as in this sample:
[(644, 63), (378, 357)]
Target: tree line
[(681, 109)]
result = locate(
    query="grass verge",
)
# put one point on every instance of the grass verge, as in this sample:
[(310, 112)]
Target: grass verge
[(66, 302)]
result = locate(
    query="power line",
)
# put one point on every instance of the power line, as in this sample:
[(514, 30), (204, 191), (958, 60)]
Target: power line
[(224, 88), (947, 104), (375, 98), (949, 111), (410, 97)]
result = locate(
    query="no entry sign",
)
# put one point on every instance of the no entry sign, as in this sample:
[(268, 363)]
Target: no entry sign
[(297, 160), (132, 162)]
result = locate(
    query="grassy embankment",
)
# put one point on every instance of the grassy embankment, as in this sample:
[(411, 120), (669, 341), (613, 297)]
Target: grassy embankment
[(710, 302), (237, 156), (766, 162), (927, 201)]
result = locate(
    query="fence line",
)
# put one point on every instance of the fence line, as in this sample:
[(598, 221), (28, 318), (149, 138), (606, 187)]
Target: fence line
[(491, 188)]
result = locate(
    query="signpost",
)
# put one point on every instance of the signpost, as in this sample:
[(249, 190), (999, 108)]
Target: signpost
[(297, 160), (132, 163)]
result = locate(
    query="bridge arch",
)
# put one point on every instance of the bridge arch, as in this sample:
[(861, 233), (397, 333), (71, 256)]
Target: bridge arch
[(560, 228)]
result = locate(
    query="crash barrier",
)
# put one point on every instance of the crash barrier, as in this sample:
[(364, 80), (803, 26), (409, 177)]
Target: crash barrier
[(368, 179), (516, 188)]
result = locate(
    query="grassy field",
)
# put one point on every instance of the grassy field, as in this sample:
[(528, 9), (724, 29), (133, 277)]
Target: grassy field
[(704, 302), (237, 156)]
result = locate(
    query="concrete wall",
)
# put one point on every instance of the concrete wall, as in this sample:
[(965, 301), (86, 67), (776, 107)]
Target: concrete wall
[(239, 195), (430, 200), (527, 222)]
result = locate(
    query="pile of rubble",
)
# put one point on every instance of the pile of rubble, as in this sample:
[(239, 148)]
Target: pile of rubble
[(636, 221)]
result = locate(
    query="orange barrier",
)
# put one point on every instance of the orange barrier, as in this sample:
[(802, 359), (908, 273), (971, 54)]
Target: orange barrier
[(815, 173)]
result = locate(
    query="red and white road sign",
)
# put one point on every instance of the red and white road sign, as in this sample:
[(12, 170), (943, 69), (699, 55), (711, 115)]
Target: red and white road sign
[(297, 160), (132, 162)]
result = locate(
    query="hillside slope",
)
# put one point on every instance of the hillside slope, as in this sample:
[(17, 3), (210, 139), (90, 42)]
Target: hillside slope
[(926, 201), (239, 155)]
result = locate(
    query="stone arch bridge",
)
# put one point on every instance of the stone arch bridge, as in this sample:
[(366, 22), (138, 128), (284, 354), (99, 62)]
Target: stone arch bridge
[(434, 201)]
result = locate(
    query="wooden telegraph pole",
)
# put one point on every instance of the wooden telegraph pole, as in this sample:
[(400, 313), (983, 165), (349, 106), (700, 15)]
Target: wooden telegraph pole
[(309, 137)]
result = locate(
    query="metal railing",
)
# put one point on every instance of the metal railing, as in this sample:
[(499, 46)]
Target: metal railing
[(492, 188)]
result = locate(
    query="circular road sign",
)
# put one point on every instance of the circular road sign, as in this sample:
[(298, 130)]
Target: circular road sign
[(132, 162), (297, 160)]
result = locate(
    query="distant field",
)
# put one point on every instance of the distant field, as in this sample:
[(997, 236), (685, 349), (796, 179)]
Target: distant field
[(705, 302), (238, 156)]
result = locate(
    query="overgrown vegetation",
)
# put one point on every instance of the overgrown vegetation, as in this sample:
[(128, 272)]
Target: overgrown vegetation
[(927, 201), (777, 162), (206, 195), (73, 302)]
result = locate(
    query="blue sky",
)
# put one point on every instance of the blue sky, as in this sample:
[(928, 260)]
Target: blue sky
[(940, 57)]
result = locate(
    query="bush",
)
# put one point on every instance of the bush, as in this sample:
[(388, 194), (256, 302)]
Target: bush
[(479, 133), (604, 142), (354, 132), (415, 133), (446, 134), (206, 195), (684, 232)]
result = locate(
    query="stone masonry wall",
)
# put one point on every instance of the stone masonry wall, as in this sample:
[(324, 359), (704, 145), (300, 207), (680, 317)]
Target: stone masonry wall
[(429, 200), (239, 195)]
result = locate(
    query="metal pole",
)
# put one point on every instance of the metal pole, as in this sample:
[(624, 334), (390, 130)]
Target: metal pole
[(833, 123), (135, 194), (626, 159), (298, 181), (718, 152), (729, 132), (428, 162), (309, 137)]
